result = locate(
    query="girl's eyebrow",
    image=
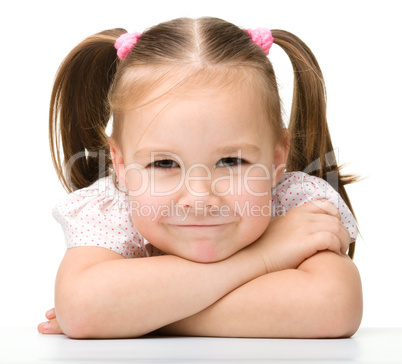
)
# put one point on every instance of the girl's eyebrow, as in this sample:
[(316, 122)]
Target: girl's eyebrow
[(147, 152), (237, 149)]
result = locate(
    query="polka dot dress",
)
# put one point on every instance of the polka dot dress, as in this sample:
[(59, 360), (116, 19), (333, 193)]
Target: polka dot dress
[(297, 188), (98, 215)]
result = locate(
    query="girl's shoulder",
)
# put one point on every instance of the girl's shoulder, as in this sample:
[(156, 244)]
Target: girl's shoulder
[(98, 215), (313, 187), (297, 188)]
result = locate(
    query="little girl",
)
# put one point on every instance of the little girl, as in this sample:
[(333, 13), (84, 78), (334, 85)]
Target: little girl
[(199, 151)]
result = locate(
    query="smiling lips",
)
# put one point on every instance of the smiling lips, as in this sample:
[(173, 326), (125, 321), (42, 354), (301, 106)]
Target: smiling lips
[(200, 226)]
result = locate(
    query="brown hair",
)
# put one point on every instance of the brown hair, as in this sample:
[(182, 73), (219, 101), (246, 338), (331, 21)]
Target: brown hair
[(92, 84)]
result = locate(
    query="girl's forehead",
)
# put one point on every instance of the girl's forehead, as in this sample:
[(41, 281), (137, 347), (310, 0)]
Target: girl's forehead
[(204, 115), (231, 100), (235, 98), (173, 87)]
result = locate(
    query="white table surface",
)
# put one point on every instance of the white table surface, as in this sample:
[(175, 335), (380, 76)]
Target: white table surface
[(368, 345)]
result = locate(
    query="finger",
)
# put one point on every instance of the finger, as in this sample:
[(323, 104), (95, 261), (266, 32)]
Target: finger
[(347, 241), (324, 219), (50, 327), (325, 240), (322, 223), (51, 314), (322, 206)]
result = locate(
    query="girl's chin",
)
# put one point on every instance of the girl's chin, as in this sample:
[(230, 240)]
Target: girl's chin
[(198, 252), (206, 255)]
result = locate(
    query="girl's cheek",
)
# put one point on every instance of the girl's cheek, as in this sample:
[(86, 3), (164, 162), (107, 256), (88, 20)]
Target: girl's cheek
[(254, 198), (250, 181), (225, 185), (255, 182), (148, 182), (144, 215), (165, 184), (136, 180), (257, 190)]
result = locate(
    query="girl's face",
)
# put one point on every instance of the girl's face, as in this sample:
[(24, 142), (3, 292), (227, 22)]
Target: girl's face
[(199, 170)]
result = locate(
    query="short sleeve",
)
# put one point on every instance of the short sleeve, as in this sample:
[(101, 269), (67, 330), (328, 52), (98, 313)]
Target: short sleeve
[(98, 216), (297, 188)]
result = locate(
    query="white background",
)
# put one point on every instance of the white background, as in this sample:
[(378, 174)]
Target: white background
[(357, 44)]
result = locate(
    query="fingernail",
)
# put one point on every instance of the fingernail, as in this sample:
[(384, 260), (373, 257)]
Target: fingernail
[(50, 312), (46, 326)]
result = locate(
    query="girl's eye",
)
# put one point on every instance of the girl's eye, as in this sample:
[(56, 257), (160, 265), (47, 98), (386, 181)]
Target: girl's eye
[(164, 164), (230, 162)]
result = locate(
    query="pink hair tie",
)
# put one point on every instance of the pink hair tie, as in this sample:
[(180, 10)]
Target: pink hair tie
[(125, 43), (262, 37)]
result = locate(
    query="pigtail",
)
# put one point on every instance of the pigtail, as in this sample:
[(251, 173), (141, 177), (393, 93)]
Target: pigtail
[(311, 148), (79, 111)]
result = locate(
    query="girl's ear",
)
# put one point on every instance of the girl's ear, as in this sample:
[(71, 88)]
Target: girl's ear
[(118, 161), (280, 156)]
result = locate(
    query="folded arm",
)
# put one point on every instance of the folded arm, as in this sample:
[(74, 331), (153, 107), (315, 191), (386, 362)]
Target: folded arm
[(321, 298), (99, 294)]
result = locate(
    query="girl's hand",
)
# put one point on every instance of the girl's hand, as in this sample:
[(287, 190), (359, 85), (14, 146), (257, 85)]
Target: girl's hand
[(302, 232), (51, 326)]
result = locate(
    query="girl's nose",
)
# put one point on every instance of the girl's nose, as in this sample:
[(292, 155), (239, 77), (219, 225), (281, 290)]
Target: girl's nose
[(196, 191)]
